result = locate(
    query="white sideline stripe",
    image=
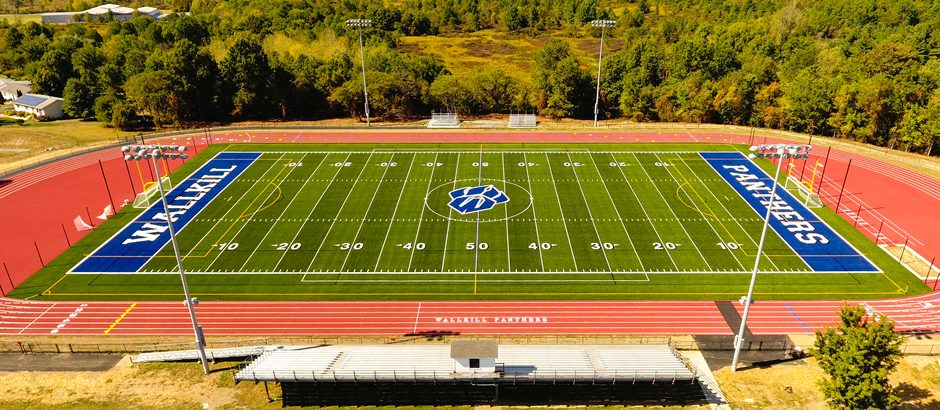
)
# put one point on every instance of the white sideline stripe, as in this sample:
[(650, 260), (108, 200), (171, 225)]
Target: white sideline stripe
[(600, 272)]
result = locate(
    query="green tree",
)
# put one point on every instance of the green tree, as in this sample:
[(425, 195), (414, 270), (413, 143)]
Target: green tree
[(248, 76), (151, 92), (194, 75), (79, 96), (53, 71), (124, 116), (857, 356)]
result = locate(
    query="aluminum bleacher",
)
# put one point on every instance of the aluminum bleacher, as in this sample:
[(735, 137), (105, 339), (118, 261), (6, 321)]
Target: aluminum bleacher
[(426, 374), (444, 120), (522, 121)]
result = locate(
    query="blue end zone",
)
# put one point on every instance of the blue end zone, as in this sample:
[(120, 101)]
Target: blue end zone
[(132, 247), (820, 247)]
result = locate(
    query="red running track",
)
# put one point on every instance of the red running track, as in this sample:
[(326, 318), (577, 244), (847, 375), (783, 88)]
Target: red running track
[(32, 209)]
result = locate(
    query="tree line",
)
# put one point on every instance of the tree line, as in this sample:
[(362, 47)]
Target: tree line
[(866, 70)]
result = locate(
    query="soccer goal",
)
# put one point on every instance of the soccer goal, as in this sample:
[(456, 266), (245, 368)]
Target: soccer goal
[(810, 198), (144, 199)]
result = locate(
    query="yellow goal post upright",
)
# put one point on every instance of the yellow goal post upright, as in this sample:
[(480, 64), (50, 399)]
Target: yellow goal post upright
[(145, 198), (804, 189)]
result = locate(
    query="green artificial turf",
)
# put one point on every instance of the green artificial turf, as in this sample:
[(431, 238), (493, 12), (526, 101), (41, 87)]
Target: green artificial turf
[(627, 221)]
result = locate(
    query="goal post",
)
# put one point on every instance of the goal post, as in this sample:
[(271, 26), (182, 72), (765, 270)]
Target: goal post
[(806, 194), (144, 199)]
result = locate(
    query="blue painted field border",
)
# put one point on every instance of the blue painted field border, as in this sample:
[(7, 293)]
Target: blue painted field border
[(116, 256), (835, 256)]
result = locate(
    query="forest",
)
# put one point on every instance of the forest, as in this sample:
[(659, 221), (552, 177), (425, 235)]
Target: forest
[(865, 70)]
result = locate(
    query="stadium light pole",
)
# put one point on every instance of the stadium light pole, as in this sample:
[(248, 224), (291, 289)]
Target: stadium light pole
[(600, 58), (359, 24), (780, 151), (154, 152)]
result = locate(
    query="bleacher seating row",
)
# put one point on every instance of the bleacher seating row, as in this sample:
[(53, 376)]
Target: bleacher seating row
[(444, 120), (522, 121)]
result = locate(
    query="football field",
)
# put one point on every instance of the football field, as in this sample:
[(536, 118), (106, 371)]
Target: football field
[(461, 221)]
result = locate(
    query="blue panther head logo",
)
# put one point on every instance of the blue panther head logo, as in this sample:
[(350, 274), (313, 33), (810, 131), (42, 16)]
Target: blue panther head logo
[(476, 199)]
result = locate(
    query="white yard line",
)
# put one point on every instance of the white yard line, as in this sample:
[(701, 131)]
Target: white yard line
[(234, 206), (395, 212), (551, 174), (247, 221), (502, 161), (271, 228), (450, 211), (378, 186), (673, 212), (699, 210), (534, 217), (476, 248), (427, 191), (314, 207), (340, 211), (600, 240), (701, 181), (619, 216)]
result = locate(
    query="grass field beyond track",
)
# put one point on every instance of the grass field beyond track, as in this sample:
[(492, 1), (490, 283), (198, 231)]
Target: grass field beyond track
[(373, 222)]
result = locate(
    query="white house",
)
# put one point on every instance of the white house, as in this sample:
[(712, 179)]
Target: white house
[(474, 356), (39, 106), (11, 89)]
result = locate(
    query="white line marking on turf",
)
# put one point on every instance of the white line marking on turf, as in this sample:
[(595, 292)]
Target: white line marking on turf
[(313, 208), (365, 165), (562, 211), (230, 209), (698, 208), (600, 240), (502, 161), (698, 176), (534, 217), (617, 210), (673, 212), (424, 206), (247, 221), (395, 212), (450, 211), (368, 208), (286, 208)]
